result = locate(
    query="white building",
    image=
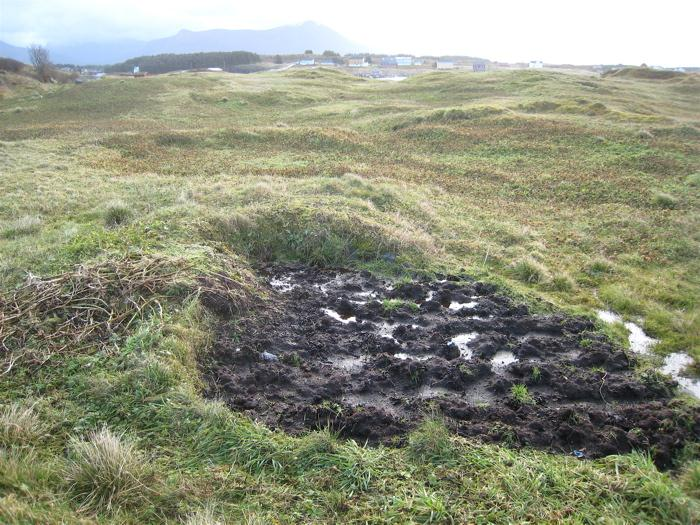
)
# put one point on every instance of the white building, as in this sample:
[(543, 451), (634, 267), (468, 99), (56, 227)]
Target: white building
[(445, 64), (404, 61), (536, 64), (358, 62)]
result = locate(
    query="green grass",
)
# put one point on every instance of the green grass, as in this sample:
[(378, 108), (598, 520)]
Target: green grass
[(521, 395), (570, 192)]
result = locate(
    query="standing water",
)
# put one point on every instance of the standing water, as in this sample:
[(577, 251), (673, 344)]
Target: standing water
[(641, 343)]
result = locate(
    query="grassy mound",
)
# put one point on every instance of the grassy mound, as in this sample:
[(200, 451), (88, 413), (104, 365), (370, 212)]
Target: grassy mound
[(644, 73)]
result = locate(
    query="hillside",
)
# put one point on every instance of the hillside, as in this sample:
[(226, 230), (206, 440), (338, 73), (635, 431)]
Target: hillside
[(144, 218)]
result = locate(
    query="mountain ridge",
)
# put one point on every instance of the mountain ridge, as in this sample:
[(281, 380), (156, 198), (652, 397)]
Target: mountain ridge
[(289, 39)]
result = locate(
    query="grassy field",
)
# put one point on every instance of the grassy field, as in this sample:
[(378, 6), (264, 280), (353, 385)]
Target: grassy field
[(572, 192)]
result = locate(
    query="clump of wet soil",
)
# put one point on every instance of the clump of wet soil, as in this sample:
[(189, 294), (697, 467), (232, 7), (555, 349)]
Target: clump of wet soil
[(372, 359)]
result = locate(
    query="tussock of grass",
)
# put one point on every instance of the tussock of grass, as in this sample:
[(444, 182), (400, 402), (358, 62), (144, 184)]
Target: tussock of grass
[(205, 516), (107, 472), (432, 443), (690, 479), (664, 200), (562, 283), (599, 268), (19, 425), (359, 466), (521, 395), (116, 213), (391, 305), (529, 271), (23, 226)]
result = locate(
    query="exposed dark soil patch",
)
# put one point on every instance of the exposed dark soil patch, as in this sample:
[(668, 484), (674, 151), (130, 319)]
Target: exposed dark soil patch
[(330, 350)]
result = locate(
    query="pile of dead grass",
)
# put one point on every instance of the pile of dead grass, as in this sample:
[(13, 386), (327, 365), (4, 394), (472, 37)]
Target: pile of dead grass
[(90, 306)]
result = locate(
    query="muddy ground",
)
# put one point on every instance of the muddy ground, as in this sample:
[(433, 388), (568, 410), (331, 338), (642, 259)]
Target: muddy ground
[(372, 359)]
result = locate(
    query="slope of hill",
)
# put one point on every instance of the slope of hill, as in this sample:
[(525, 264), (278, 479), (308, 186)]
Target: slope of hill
[(284, 40), (138, 219)]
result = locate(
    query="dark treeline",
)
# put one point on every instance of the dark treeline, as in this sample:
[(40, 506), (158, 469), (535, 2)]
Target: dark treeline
[(172, 62)]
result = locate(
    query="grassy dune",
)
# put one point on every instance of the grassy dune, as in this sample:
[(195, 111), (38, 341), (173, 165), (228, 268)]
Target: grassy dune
[(570, 191)]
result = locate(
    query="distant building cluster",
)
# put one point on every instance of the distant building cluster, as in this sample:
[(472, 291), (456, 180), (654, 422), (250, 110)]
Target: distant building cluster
[(391, 61)]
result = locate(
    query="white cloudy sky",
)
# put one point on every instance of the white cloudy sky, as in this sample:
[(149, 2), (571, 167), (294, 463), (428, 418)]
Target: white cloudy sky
[(574, 31)]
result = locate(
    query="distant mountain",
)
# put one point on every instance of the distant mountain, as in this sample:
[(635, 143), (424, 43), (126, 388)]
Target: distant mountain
[(96, 53), (282, 40), (17, 53)]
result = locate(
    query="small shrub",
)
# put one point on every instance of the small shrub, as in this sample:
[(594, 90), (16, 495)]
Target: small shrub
[(19, 425), (693, 179), (116, 213), (664, 200), (11, 65), (536, 374), (106, 471), (521, 395), (22, 226)]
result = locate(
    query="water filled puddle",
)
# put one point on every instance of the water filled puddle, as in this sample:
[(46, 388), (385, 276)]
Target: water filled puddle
[(608, 317), (335, 315), (283, 284), (639, 341), (502, 359), (324, 287), (428, 392), (674, 365), (348, 363), (386, 331), (455, 306), (404, 357), (462, 341)]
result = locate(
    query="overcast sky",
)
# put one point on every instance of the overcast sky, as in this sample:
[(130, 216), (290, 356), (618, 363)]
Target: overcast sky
[(574, 31)]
